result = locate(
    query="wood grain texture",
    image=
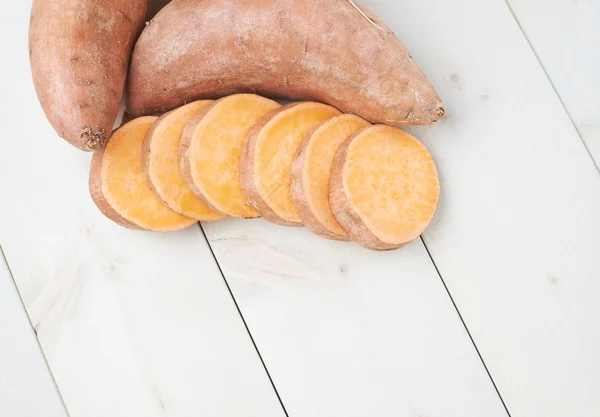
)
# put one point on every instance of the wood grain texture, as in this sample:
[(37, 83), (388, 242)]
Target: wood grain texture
[(26, 385), (517, 234), (565, 36), (131, 323)]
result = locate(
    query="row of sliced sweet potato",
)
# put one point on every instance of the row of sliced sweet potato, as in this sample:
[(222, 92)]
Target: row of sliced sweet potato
[(247, 156)]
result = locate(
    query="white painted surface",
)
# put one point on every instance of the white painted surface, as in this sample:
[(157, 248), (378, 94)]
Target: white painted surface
[(349, 332), (131, 323), (26, 385), (141, 324), (566, 38), (517, 236), (516, 239)]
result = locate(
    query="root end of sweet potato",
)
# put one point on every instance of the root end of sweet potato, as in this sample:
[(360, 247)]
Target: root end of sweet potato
[(438, 111), (93, 138), (79, 54)]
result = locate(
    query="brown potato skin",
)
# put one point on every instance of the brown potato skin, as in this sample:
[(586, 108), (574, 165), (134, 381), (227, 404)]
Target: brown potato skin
[(342, 209), (146, 146), (247, 170), (184, 160), (330, 51), (79, 52), (298, 196), (95, 185)]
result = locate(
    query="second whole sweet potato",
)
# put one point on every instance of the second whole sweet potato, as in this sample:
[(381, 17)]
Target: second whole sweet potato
[(331, 51)]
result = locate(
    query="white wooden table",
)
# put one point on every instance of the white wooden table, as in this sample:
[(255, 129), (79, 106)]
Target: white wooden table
[(495, 312)]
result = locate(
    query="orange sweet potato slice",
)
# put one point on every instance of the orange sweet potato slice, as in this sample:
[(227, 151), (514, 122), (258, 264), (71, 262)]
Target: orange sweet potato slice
[(211, 148), (384, 188), (268, 154), (118, 187), (160, 163), (311, 170)]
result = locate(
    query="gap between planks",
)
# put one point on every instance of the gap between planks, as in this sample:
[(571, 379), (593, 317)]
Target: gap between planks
[(487, 371), (562, 103), (4, 259), (263, 362), (212, 252)]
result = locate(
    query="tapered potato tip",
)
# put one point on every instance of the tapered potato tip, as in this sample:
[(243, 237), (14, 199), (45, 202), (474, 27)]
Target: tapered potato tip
[(79, 54), (384, 187)]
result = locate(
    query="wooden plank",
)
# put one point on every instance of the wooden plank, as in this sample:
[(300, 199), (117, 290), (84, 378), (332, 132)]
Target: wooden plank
[(517, 234), (26, 385), (348, 332), (516, 240), (131, 323), (565, 36)]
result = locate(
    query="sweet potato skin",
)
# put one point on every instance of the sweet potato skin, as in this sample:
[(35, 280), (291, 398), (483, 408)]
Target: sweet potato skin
[(118, 186), (331, 51), (424, 174), (95, 186), (238, 205), (342, 209), (298, 181), (153, 151), (247, 172), (253, 182), (184, 160), (79, 53), (302, 207)]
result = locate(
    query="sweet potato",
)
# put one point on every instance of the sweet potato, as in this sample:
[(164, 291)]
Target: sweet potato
[(268, 154), (160, 163), (118, 187), (211, 149), (384, 187), (311, 170), (79, 52), (331, 51)]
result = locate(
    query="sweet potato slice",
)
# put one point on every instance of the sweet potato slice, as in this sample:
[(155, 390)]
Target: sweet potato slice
[(118, 187), (311, 170), (268, 154), (160, 163), (211, 149), (384, 187)]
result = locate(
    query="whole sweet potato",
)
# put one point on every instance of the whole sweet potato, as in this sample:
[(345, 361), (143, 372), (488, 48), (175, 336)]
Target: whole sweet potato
[(332, 51), (79, 52)]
